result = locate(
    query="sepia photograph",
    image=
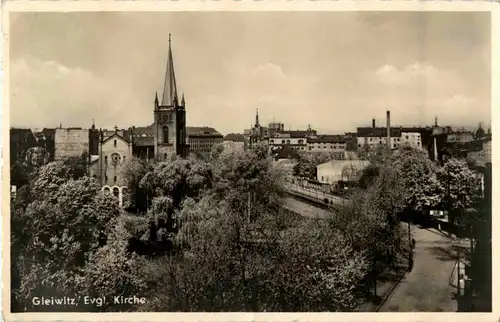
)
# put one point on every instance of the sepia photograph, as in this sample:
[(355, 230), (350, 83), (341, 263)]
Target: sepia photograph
[(250, 161)]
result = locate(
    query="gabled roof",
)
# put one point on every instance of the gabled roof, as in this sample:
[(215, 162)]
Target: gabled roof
[(116, 135)]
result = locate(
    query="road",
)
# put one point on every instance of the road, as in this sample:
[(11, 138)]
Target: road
[(317, 194), (427, 287), (306, 209)]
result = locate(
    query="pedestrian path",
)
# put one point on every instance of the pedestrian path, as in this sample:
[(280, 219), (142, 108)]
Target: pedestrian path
[(427, 287)]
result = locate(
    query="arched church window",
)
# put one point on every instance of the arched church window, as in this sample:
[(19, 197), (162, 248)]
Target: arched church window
[(165, 134), (116, 192), (165, 156)]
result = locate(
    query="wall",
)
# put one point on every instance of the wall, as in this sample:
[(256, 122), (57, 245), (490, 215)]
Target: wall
[(70, 143), (326, 146), (234, 146), (298, 144), (111, 173), (375, 141), (411, 138)]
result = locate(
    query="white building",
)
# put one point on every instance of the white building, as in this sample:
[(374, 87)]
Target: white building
[(340, 170)]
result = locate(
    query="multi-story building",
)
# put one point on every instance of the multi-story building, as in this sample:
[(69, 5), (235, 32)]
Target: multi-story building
[(71, 142), (21, 140), (460, 135), (296, 140), (202, 139), (234, 142), (326, 143)]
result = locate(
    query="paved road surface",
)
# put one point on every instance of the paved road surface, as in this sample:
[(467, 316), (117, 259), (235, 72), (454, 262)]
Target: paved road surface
[(320, 195), (427, 287), (305, 209)]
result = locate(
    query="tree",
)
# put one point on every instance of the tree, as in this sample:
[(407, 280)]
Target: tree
[(132, 174), (64, 224), (420, 175), (462, 185)]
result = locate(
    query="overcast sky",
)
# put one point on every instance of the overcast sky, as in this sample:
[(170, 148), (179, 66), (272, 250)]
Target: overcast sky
[(333, 70)]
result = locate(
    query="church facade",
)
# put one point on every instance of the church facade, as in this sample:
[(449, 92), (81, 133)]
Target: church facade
[(110, 151)]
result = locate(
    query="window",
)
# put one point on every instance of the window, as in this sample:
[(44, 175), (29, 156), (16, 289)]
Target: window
[(272, 141), (309, 148), (165, 134), (94, 176), (407, 137), (106, 159), (114, 179), (116, 192), (301, 141), (106, 178), (114, 143), (288, 141), (165, 156), (282, 141), (123, 158), (115, 158)]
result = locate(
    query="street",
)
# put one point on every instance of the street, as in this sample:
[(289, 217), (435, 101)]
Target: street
[(429, 286)]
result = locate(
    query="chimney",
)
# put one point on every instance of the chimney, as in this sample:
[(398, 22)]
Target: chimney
[(389, 129), (373, 123), (436, 121)]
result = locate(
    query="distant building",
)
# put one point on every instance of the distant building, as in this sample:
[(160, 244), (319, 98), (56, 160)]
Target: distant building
[(202, 139), (375, 136), (336, 171), (327, 143), (21, 140), (460, 135), (234, 142), (71, 142)]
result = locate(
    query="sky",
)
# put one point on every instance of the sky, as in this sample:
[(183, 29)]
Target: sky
[(334, 71)]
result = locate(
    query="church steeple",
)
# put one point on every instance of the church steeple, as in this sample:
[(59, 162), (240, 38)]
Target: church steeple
[(170, 87), (156, 101)]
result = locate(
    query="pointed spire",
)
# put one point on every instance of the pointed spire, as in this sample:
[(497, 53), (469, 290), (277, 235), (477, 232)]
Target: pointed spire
[(183, 101), (156, 101), (170, 87)]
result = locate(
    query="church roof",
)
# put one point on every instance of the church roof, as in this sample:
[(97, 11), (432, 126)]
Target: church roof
[(170, 86), (115, 135)]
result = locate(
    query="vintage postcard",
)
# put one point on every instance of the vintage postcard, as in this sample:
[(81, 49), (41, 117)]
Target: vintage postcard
[(253, 160)]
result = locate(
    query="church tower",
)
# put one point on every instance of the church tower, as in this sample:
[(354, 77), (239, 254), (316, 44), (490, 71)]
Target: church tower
[(169, 117)]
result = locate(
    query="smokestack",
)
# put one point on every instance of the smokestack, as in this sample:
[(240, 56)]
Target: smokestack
[(373, 123), (389, 129), (436, 121)]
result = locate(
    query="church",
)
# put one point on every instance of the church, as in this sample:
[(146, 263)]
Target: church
[(109, 151)]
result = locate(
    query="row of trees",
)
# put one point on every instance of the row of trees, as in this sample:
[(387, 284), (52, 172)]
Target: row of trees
[(214, 236)]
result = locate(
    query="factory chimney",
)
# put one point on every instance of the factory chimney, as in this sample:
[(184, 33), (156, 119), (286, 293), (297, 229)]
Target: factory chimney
[(373, 123), (389, 129)]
